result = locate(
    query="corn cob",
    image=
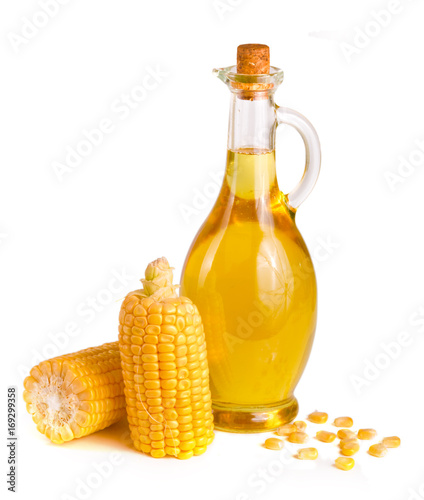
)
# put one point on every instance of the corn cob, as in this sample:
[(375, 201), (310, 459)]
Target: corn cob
[(163, 356), (76, 394)]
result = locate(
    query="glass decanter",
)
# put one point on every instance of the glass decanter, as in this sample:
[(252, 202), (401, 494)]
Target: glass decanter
[(248, 269)]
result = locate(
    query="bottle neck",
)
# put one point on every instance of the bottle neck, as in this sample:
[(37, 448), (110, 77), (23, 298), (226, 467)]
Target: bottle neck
[(250, 176), (252, 123), (250, 172)]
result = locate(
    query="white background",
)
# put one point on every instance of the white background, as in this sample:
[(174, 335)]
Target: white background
[(62, 240)]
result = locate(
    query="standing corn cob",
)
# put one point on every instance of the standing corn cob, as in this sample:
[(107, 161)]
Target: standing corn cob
[(76, 394), (163, 355)]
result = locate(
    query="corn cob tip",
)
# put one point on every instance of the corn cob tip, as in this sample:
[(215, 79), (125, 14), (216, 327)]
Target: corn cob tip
[(157, 268), (157, 282)]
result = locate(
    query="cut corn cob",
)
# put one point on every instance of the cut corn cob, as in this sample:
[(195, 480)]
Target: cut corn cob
[(76, 394), (163, 356)]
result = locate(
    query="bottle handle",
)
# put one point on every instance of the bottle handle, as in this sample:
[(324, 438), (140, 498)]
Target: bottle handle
[(312, 154)]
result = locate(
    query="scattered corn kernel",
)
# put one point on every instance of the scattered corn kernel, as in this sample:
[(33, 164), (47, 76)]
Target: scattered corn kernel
[(300, 425), (377, 450), (367, 433), (344, 463), (274, 444), (349, 447), (346, 434), (391, 442), (325, 437), (344, 442), (286, 429), (307, 454), (298, 437), (343, 422), (318, 417)]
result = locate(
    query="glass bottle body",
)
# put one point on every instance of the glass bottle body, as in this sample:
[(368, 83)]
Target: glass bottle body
[(248, 269), (251, 276)]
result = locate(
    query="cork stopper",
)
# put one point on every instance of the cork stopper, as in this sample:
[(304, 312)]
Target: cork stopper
[(252, 63), (253, 59)]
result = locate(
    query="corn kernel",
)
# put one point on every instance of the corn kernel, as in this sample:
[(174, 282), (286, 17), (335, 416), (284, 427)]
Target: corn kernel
[(349, 447), (366, 434), (318, 417), (188, 445), (300, 425), (377, 450), (343, 422), (298, 437), (391, 442), (286, 429), (199, 450), (344, 463), (347, 441), (274, 444), (325, 437), (346, 434), (307, 454)]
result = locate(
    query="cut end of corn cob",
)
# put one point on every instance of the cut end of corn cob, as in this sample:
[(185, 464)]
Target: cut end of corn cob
[(76, 394), (165, 369)]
